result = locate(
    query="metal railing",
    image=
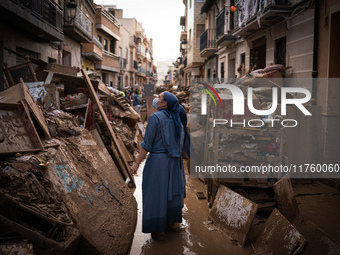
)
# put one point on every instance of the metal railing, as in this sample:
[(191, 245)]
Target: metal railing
[(220, 22), (141, 70), (97, 42), (248, 9), (141, 49), (82, 22), (208, 39), (46, 10)]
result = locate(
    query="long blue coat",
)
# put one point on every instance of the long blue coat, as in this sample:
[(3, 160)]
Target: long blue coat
[(163, 184)]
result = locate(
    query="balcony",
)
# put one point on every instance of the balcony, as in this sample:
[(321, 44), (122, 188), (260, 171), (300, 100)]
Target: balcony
[(109, 63), (80, 28), (133, 41), (92, 52), (141, 71), (108, 23), (224, 38), (183, 35), (42, 18), (182, 21), (248, 22), (141, 51), (122, 63), (208, 43)]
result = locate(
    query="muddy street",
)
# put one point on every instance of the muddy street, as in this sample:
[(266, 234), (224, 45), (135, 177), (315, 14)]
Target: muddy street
[(197, 234)]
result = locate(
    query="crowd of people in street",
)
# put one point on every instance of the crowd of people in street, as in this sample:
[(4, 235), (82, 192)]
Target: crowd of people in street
[(136, 97)]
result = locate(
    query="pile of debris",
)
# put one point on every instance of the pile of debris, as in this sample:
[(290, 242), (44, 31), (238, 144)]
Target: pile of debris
[(259, 200), (66, 146)]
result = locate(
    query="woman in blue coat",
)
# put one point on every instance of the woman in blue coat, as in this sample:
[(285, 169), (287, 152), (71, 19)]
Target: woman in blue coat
[(163, 183)]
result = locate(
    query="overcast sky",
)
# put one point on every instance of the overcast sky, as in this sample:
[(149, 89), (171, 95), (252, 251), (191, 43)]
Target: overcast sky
[(160, 20)]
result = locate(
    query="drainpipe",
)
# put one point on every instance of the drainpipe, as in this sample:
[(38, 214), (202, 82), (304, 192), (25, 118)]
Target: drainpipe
[(315, 47)]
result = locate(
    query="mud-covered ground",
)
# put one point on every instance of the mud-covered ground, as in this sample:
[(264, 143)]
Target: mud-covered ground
[(197, 236)]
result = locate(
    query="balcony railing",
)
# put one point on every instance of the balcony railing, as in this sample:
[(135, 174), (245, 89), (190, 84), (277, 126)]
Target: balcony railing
[(97, 42), (208, 39), (122, 63), (82, 22), (141, 50), (220, 22), (250, 9), (141, 70), (46, 10)]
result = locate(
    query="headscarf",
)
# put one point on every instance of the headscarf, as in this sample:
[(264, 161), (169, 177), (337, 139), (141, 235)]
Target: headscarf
[(177, 112)]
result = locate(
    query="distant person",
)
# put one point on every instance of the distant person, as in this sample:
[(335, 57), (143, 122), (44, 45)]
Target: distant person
[(137, 102)]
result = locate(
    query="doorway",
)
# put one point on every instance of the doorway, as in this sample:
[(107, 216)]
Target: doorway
[(258, 54)]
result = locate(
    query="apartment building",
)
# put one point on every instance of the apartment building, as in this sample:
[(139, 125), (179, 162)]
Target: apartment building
[(108, 34), (327, 69), (30, 28), (194, 26), (140, 52), (301, 35)]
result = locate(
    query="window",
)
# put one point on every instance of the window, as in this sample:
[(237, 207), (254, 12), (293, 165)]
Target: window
[(199, 32), (66, 58), (52, 60), (104, 78), (100, 39), (120, 57), (222, 70), (112, 45), (105, 44), (280, 51), (243, 58)]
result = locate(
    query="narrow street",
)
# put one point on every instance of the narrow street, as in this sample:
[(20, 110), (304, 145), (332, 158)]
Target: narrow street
[(197, 236)]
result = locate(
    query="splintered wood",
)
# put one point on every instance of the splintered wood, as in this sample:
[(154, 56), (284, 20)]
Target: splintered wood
[(115, 144)]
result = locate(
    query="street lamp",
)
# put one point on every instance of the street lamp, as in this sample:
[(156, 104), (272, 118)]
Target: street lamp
[(184, 46), (71, 10)]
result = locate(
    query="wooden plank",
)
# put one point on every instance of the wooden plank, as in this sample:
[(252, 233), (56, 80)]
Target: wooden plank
[(36, 111), (233, 213), (89, 116), (278, 237), (22, 71), (49, 77), (127, 154), (94, 97), (29, 126), (285, 198), (17, 132), (121, 101), (11, 153)]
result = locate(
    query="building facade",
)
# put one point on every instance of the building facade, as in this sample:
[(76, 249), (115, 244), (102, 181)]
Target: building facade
[(92, 39), (194, 26)]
